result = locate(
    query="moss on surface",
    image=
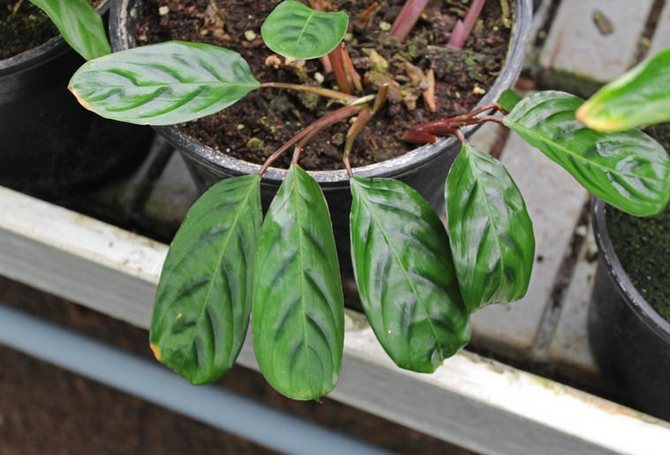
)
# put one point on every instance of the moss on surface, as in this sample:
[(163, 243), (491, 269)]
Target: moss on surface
[(22, 27), (643, 246)]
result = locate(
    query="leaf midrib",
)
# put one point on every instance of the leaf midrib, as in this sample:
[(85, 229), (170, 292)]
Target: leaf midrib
[(226, 241), (530, 132), (296, 201), (477, 176), (406, 275)]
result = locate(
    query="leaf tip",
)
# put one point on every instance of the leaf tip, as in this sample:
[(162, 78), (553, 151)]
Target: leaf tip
[(80, 100), (156, 351), (590, 117)]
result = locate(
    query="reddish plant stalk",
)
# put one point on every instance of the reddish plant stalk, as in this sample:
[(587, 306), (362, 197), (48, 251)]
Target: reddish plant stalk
[(407, 19), (464, 28), (356, 129), (301, 139), (337, 62), (350, 71), (427, 133)]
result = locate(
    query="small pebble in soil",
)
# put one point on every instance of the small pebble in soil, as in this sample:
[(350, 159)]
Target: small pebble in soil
[(249, 35), (163, 10)]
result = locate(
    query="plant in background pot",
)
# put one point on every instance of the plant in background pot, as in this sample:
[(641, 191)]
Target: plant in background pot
[(48, 143), (418, 284), (629, 326)]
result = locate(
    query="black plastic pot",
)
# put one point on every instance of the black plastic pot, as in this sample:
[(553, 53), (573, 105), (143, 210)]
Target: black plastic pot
[(425, 168), (48, 143), (629, 339)]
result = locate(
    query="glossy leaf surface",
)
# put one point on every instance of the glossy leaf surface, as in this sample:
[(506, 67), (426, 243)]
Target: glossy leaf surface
[(405, 274), (628, 170), (298, 309), (490, 232), (163, 84), (79, 24), (203, 300), (296, 31), (638, 98)]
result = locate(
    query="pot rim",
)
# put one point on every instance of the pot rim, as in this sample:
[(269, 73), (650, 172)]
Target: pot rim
[(397, 166), (45, 52), (625, 287)]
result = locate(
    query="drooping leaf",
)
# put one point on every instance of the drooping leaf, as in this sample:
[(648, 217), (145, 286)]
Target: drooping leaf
[(638, 98), (490, 232), (405, 274), (296, 31), (203, 300), (163, 84), (298, 309), (628, 170), (79, 24)]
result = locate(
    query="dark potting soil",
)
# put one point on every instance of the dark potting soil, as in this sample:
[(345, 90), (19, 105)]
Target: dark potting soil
[(643, 245), (256, 126), (23, 26)]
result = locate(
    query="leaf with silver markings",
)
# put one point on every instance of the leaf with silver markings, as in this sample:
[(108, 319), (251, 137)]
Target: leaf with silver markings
[(405, 274), (203, 298), (628, 170), (490, 232), (163, 84), (298, 309)]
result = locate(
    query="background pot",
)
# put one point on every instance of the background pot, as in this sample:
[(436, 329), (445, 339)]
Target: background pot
[(425, 168), (48, 143), (629, 339)]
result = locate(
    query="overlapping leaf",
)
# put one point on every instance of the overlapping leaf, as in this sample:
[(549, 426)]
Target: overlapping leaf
[(203, 299), (298, 309), (79, 24), (628, 170), (638, 98), (405, 274), (163, 84), (296, 31), (490, 232)]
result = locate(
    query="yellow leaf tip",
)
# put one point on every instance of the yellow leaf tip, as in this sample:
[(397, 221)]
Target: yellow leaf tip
[(156, 350)]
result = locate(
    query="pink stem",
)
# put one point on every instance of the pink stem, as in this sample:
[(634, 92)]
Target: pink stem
[(464, 28), (407, 18)]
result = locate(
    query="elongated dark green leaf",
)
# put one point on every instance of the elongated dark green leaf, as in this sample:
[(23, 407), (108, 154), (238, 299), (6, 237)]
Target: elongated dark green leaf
[(628, 170), (163, 84), (79, 24), (490, 232), (638, 98), (405, 274), (296, 31), (203, 299), (298, 311)]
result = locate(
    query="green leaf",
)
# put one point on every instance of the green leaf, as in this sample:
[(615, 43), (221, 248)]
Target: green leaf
[(163, 84), (628, 170), (296, 31), (203, 299), (509, 99), (79, 24), (298, 310), (405, 274), (638, 98), (490, 232)]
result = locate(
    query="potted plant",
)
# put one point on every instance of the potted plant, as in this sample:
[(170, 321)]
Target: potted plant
[(48, 143), (418, 284), (629, 313), (423, 168)]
